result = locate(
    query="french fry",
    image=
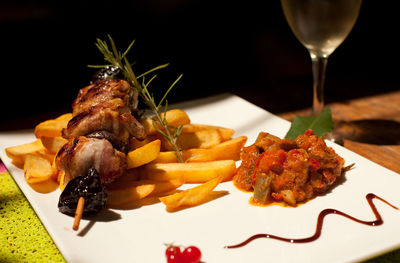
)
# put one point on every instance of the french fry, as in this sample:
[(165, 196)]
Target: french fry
[(191, 197), (120, 196), (144, 154), (129, 176), (61, 177), (117, 184), (37, 169), (52, 128), (190, 172), (228, 150), (18, 164), (170, 156), (134, 143), (53, 144), (159, 186), (45, 154), (133, 204), (160, 189), (44, 187), (225, 133), (166, 186), (175, 117), (202, 139), (19, 152)]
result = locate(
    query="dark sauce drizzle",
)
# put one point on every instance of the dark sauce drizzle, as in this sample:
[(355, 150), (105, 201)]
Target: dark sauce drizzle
[(320, 222)]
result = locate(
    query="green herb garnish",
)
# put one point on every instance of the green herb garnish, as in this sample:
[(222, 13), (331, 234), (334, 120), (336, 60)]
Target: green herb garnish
[(320, 124), (118, 59)]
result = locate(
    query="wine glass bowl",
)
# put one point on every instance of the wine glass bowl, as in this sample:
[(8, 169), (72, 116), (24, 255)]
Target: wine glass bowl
[(321, 26)]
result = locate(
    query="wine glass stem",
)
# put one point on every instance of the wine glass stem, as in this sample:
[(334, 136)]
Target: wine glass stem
[(318, 68)]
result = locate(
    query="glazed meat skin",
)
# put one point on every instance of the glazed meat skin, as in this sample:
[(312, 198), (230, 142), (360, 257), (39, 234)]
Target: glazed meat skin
[(103, 91), (108, 105), (288, 170), (80, 154)]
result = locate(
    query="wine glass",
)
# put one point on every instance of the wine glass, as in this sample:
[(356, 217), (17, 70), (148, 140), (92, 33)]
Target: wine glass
[(321, 26)]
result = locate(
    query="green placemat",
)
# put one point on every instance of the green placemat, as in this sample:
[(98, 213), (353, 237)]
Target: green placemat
[(23, 238)]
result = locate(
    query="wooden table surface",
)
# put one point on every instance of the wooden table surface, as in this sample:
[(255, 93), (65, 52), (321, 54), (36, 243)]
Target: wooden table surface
[(379, 116)]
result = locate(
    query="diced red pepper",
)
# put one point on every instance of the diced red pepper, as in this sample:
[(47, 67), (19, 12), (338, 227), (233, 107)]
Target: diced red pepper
[(270, 161), (309, 132), (259, 159), (314, 164)]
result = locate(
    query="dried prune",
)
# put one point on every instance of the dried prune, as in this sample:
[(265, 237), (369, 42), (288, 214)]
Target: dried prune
[(106, 73), (87, 186)]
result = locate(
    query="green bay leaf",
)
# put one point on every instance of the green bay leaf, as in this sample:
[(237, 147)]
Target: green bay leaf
[(320, 124)]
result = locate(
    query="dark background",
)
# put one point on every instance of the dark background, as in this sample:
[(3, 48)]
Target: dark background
[(244, 48)]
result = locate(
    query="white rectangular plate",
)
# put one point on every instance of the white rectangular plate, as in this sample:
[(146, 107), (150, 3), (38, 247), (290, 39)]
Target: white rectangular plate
[(138, 235)]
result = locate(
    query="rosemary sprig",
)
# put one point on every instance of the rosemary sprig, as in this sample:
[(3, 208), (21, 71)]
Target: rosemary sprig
[(118, 59)]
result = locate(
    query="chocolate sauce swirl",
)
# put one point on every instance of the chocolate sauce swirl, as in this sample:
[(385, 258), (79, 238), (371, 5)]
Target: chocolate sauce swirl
[(320, 223)]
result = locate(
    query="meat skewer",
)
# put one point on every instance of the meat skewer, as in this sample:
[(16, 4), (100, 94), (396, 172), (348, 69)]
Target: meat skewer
[(104, 119), (78, 213)]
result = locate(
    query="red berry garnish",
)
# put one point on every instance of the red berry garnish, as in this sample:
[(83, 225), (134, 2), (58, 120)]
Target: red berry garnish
[(174, 258), (173, 254), (191, 254), (172, 250)]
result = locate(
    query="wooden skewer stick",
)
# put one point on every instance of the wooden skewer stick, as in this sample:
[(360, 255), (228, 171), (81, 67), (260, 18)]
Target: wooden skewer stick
[(78, 213)]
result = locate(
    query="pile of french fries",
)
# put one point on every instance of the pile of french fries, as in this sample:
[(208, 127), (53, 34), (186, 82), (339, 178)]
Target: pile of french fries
[(153, 173)]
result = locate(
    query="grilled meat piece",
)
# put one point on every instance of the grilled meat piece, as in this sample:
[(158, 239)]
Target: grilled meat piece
[(102, 92), (108, 105), (80, 154), (116, 142)]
